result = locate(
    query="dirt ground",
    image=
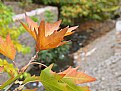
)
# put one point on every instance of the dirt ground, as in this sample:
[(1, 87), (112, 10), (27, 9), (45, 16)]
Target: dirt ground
[(100, 61)]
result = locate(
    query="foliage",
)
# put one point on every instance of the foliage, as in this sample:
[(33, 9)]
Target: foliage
[(50, 78), (6, 27), (12, 71), (49, 16), (52, 81), (72, 11), (10, 50), (24, 3), (51, 56)]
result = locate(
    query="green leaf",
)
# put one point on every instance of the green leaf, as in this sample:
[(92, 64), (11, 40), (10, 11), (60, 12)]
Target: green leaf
[(72, 87), (50, 82), (10, 81), (9, 68), (110, 9), (55, 82), (31, 79)]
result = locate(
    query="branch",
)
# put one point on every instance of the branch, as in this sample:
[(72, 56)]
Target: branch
[(31, 60)]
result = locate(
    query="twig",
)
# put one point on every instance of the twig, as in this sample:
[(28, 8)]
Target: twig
[(15, 64), (26, 66), (38, 63)]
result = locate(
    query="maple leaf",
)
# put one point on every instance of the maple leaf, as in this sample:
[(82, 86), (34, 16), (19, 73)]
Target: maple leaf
[(76, 76), (7, 47), (50, 82), (47, 35), (53, 81)]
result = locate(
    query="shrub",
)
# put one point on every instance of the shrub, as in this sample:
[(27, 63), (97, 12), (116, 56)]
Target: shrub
[(7, 27), (53, 55), (74, 11)]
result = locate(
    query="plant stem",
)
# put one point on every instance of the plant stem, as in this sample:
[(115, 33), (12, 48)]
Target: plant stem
[(39, 63), (10, 81), (26, 66)]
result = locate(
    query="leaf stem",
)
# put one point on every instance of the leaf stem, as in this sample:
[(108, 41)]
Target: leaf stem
[(26, 66), (38, 63)]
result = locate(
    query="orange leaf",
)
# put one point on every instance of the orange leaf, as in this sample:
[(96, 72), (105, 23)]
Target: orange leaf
[(1, 69), (70, 30), (51, 41), (54, 40), (77, 77), (32, 25), (29, 30), (47, 35), (7, 47), (51, 27)]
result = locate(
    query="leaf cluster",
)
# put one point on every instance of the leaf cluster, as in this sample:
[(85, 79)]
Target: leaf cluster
[(72, 11), (46, 37)]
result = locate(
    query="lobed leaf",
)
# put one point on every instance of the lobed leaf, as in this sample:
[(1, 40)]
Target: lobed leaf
[(56, 82), (77, 77), (47, 35), (7, 47), (50, 82)]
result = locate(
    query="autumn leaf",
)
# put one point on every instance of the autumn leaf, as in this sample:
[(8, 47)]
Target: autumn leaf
[(53, 81), (51, 27), (29, 30), (32, 25), (51, 41), (46, 34), (7, 47), (76, 76), (70, 30), (1, 69)]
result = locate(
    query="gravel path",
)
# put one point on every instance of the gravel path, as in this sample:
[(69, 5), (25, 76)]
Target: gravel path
[(102, 63)]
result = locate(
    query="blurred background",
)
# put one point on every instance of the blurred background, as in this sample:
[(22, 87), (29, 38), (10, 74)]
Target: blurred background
[(91, 47)]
